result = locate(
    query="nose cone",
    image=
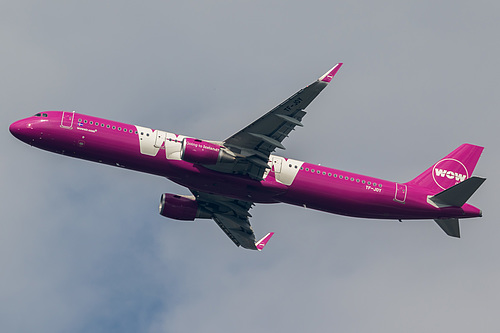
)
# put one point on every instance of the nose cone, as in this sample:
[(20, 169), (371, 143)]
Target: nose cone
[(22, 129)]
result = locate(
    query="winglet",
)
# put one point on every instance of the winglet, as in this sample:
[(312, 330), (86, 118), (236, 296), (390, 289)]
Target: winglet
[(260, 244), (328, 76)]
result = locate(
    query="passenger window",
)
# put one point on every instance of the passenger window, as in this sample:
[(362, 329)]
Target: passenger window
[(102, 124), (107, 126), (312, 170), (318, 172), (114, 127), (130, 131), (329, 174), (85, 121), (324, 173), (80, 120), (96, 123), (91, 122), (369, 183), (341, 177), (119, 128), (357, 180), (307, 169)]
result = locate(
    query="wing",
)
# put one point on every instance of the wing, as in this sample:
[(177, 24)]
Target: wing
[(259, 139), (232, 216)]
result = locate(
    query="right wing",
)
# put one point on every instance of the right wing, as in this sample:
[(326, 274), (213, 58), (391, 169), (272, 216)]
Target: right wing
[(254, 143), (232, 216)]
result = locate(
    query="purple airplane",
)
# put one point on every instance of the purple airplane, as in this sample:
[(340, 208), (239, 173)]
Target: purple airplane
[(227, 177)]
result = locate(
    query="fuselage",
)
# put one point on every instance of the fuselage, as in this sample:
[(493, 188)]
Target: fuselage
[(289, 181)]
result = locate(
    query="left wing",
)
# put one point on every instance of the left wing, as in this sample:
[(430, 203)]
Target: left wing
[(231, 216), (259, 139)]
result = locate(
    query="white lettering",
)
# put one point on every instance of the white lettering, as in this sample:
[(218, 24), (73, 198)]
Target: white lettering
[(440, 172), (450, 175)]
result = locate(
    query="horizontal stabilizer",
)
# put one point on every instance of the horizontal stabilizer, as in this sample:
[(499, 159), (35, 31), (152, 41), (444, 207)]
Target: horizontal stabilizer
[(260, 244), (450, 226), (459, 194)]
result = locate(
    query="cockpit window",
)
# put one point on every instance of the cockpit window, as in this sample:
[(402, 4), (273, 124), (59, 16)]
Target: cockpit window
[(44, 115), (38, 115)]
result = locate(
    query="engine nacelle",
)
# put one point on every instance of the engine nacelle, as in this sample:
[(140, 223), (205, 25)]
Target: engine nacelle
[(181, 208), (203, 152)]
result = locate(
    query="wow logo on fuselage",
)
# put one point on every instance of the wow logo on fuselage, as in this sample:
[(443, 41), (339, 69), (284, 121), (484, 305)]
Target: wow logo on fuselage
[(449, 172)]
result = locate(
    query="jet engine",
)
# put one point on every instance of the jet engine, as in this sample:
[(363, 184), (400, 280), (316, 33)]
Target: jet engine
[(180, 207), (203, 152)]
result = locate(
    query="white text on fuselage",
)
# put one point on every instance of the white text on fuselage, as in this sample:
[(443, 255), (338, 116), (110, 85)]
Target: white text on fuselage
[(86, 129), (203, 146)]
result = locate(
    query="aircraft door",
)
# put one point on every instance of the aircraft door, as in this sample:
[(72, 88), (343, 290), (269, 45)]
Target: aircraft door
[(67, 119), (400, 195), (277, 162), (159, 138)]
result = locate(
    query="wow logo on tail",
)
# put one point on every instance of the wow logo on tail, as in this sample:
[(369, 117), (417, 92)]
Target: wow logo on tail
[(452, 169), (449, 172)]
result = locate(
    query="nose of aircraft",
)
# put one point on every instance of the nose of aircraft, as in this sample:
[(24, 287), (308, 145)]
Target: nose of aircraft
[(22, 129)]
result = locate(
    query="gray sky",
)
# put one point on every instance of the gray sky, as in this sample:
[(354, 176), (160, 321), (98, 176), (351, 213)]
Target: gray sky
[(83, 248)]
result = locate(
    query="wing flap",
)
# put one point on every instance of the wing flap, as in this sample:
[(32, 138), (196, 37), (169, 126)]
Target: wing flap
[(232, 216), (238, 230)]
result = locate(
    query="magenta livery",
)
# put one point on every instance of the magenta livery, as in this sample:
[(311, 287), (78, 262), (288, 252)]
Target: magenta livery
[(226, 178)]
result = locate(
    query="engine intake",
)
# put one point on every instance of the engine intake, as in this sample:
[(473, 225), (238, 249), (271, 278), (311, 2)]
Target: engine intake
[(203, 152), (181, 208)]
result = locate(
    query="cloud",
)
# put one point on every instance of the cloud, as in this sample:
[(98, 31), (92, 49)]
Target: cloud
[(83, 248)]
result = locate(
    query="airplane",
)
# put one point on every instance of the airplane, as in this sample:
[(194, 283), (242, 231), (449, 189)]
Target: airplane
[(227, 178)]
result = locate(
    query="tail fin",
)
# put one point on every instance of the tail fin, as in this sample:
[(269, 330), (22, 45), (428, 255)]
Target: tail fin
[(454, 168)]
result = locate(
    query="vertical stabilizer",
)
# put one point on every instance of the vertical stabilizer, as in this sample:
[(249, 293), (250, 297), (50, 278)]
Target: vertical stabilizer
[(454, 168)]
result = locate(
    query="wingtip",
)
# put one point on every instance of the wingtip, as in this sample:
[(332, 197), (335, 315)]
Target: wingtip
[(260, 244), (328, 76)]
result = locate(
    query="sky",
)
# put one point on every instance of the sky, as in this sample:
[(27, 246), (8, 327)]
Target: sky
[(83, 248)]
